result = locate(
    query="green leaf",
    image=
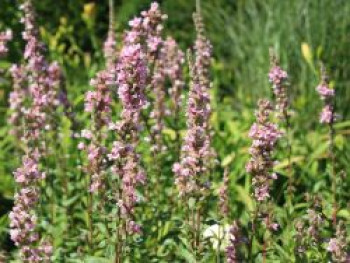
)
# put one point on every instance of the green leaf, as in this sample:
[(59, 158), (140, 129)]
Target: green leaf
[(228, 159)]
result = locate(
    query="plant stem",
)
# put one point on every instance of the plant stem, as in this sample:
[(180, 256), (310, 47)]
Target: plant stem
[(289, 156), (250, 252), (333, 173), (198, 7), (90, 227), (265, 241)]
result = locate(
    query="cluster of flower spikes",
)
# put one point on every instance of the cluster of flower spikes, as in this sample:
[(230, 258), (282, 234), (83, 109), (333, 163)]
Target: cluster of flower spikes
[(327, 95), (5, 37), (265, 136), (140, 44), (196, 152), (42, 80), (278, 78)]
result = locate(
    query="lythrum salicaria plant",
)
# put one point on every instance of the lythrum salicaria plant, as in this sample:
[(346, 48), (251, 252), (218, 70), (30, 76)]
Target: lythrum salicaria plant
[(265, 135), (236, 239), (279, 80), (193, 170), (133, 137), (98, 103), (309, 229), (337, 245), (131, 80), (328, 117), (139, 45), (146, 31), (36, 110)]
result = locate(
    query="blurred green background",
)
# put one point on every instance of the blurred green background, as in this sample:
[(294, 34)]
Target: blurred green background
[(303, 32)]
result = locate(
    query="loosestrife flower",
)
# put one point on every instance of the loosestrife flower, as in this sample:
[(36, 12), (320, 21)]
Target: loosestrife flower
[(98, 104), (278, 78), (36, 104), (131, 81), (328, 116), (327, 95), (196, 150), (146, 30), (265, 136), (235, 239), (338, 246), (5, 37)]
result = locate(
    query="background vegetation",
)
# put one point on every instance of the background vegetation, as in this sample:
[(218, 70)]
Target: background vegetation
[(302, 31)]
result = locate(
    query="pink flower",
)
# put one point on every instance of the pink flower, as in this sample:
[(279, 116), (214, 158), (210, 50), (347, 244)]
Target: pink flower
[(327, 95), (277, 75), (265, 136), (327, 115), (196, 152), (332, 245), (325, 91)]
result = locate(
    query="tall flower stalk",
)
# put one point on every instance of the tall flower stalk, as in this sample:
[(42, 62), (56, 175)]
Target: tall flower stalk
[(235, 240), (131, 80), (265, 135), (193, 170), (140, 44), (279, 79), (98, 103), (36, 103), (328, 117)]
